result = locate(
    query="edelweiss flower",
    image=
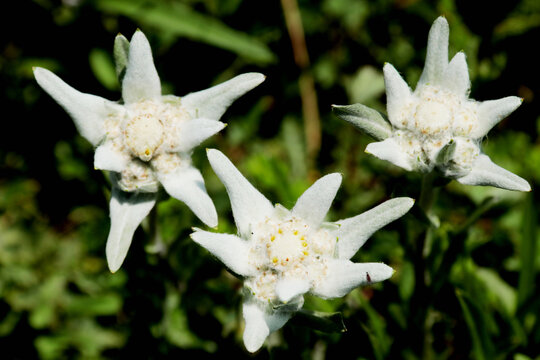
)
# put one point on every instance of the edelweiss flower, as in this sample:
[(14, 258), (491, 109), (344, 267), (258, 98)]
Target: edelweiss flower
[(437, 127), (147, 139), (284, 254)]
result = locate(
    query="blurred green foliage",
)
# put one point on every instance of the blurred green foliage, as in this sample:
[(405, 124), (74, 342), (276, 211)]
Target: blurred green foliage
[(475, 296)]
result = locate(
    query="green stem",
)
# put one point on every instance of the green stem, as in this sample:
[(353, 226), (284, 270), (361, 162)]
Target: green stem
[(428, 194), (155, 244), (421, 301)]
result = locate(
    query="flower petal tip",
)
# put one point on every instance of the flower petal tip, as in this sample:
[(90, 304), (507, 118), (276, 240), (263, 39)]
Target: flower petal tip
[(113, 268), (441, 20)]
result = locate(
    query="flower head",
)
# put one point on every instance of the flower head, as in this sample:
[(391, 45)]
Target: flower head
[(146, 139), (437, 126), (283, 254)]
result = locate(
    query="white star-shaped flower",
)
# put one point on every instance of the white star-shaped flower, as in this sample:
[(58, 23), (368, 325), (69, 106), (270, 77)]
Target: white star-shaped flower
[(147, 139), (437, 127), (284, 254)]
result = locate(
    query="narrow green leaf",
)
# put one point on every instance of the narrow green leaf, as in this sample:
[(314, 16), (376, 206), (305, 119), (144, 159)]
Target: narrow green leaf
[(108, 304), (103, 68), (447, 152), (121, 52), (325, 322), (517, 25), (375, 327), (366, 119), (179, 19), (527, 252), (406, 281), (482, 345), (503, 294)]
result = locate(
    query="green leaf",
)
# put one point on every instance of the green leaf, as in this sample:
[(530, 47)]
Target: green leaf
[(446, 153), (527, 252), (294, 144), (474, 317), (8, 323), (375, 327), (366, 119), (175, 325), (406, 280), (42, 316), (93, 306), (517, 25), (180, 20), (502, 293), (366, 85), (121, 52), (103, 68), (326, 322)]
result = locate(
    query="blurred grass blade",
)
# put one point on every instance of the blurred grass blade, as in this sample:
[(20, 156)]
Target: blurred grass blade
[(103, 68), (482, 345), (517, 25), (375, 327), (527, 252), (181, 20), (503, 295)]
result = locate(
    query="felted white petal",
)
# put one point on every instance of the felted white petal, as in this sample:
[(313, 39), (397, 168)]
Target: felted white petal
[(276, 319), (398, 93), (187, 185), (259, 324), (87, 111), (287, 289), (230, 249), (456, 78), (248, 205), (127, 210), (343, 276), (390, 150), (353, 232), (491, 112), (437, 53), (107, 157), (141, 81), (315, 202), (193, 132), (256, 330), (485, 172), (213, 102)]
